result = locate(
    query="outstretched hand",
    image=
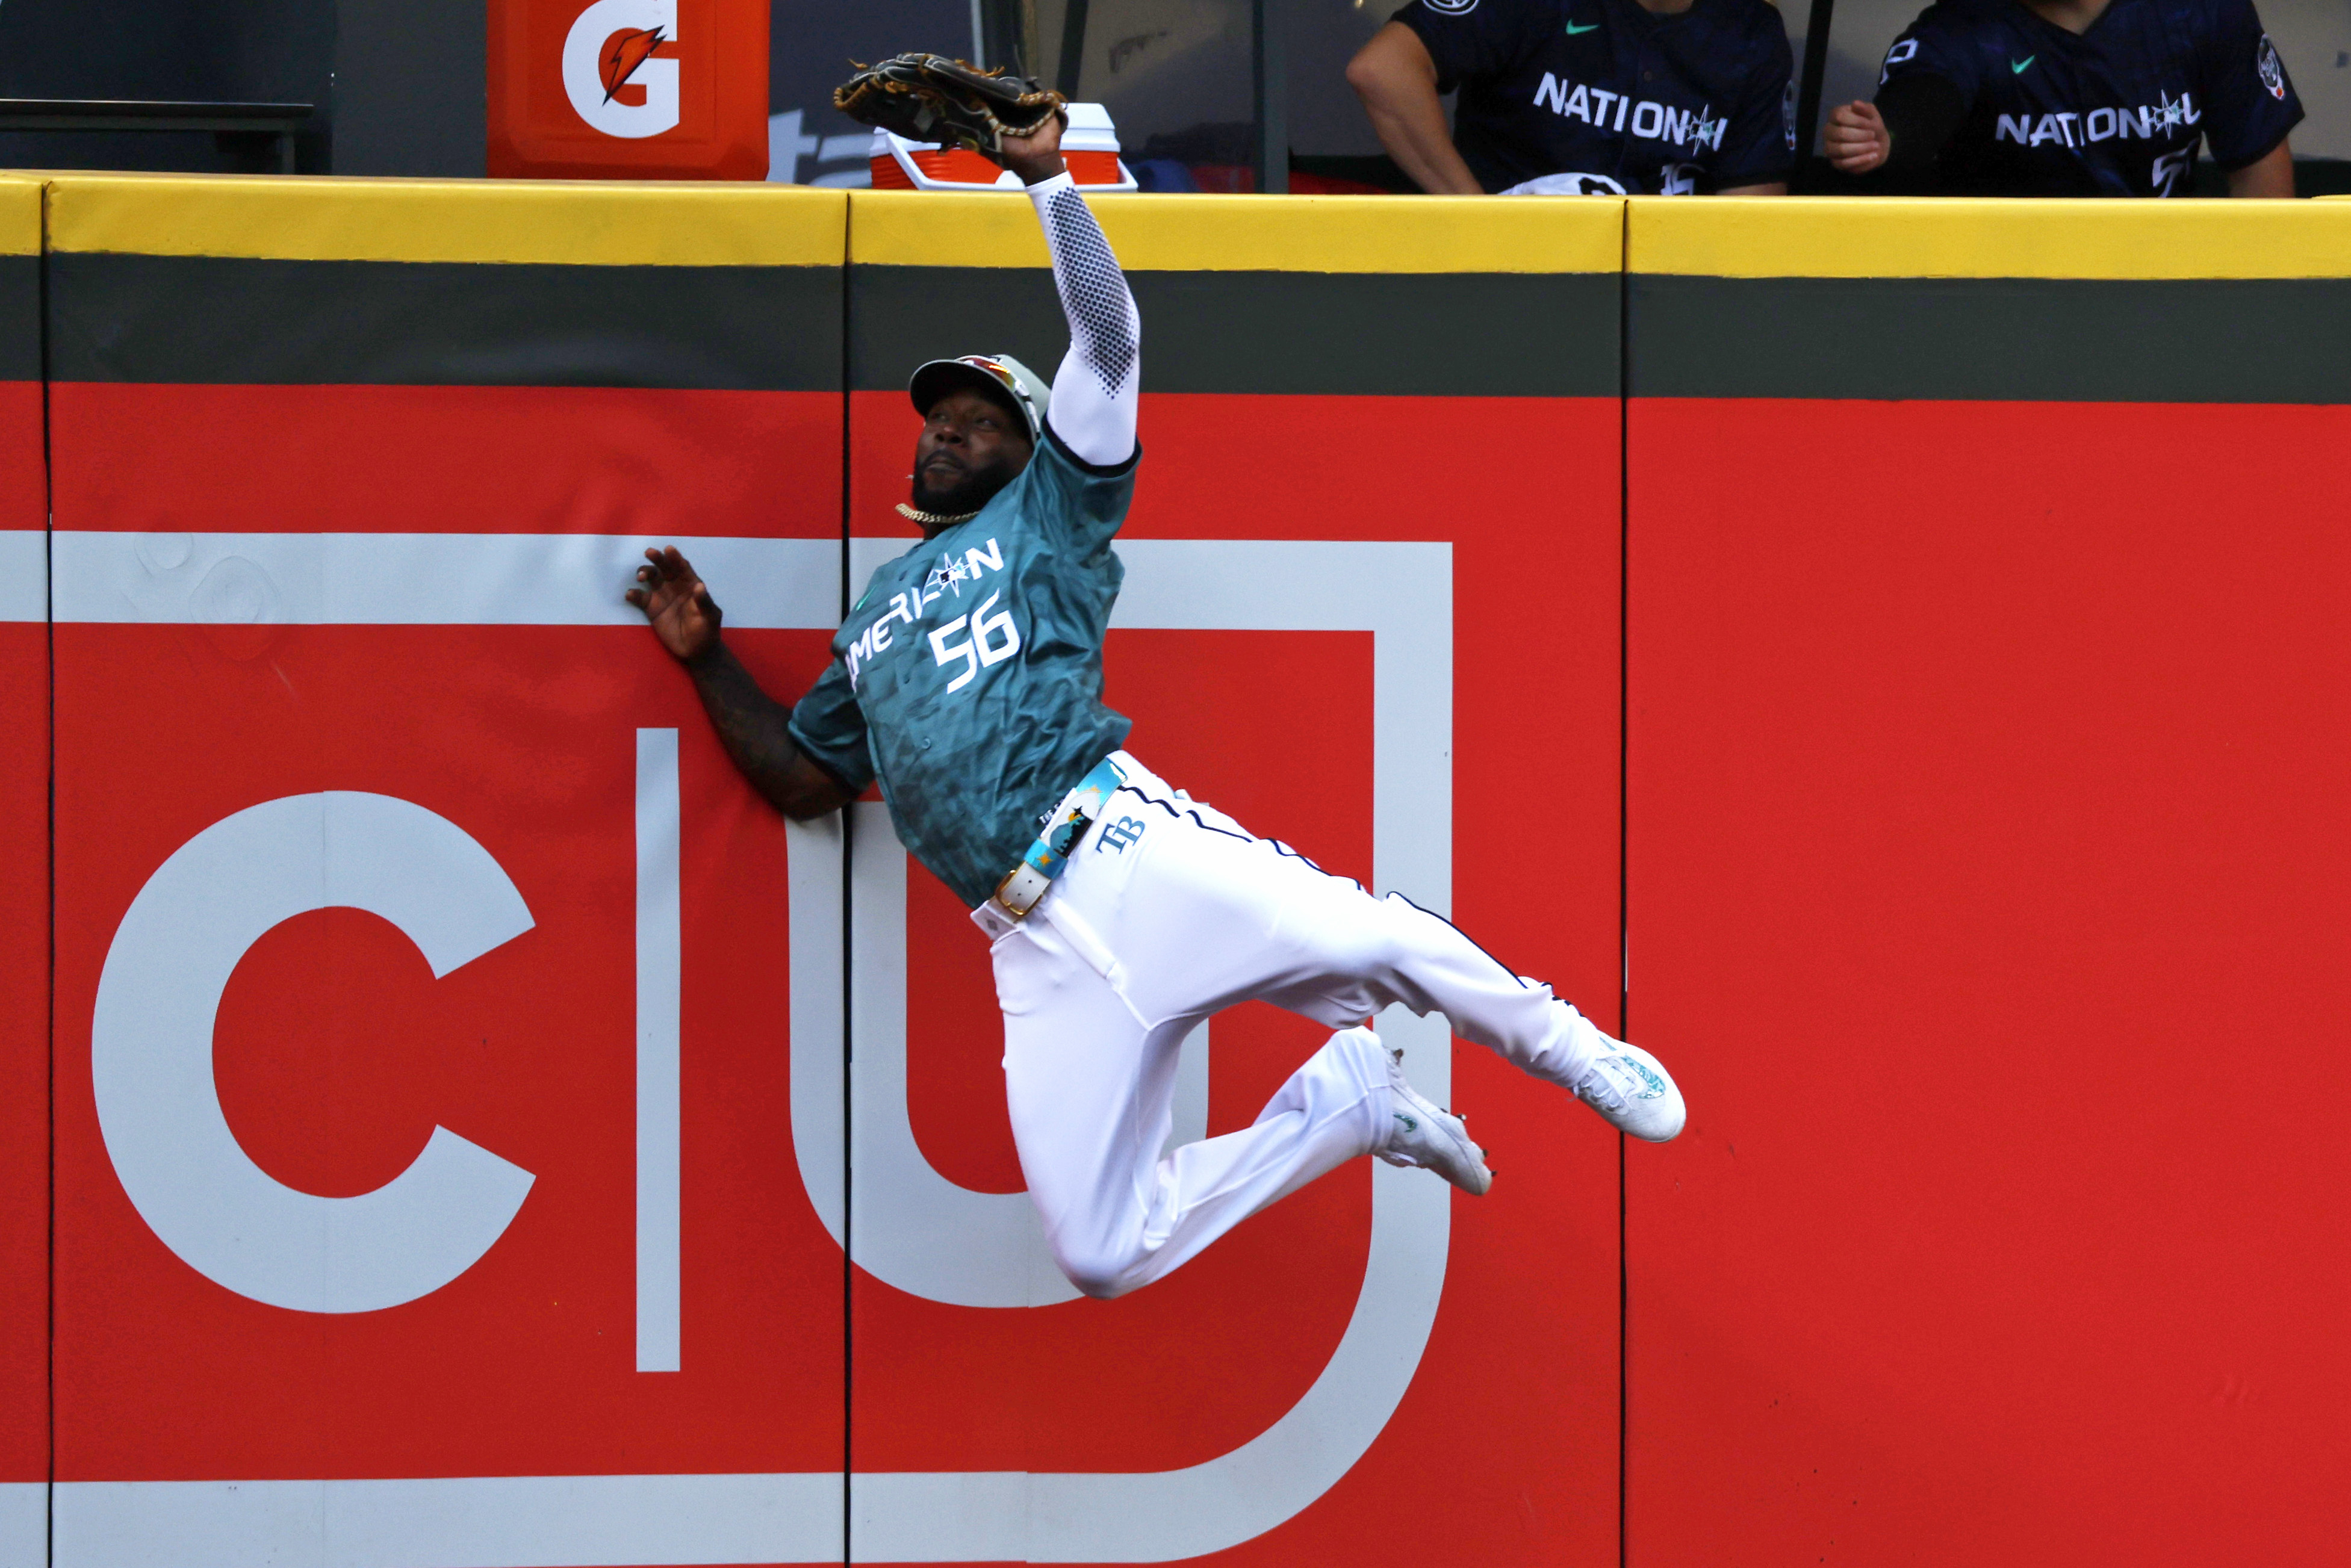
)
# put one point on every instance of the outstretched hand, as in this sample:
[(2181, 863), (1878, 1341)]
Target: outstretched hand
[(1038, 158), (679, 607)]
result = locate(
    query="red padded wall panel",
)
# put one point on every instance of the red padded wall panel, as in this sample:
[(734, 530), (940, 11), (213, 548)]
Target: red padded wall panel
[(1987, 864), (23, 977), (237, 640)]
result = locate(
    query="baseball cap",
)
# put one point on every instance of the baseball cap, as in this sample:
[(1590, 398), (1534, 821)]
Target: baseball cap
[(1000, 375)]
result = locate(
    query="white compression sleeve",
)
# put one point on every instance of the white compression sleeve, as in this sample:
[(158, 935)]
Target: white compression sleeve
[(1095, 392)]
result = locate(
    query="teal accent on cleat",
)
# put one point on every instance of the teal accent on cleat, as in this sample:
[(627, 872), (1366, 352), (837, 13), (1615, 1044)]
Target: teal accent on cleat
[(1426, 1137)]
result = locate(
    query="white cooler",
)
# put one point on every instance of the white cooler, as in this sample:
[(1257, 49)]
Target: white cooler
[(1090, 147)]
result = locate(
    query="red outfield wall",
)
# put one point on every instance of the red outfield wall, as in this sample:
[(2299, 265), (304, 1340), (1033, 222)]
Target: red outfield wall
[(1986, 859), (427, 1158), (479, 1137), (468, 1148)]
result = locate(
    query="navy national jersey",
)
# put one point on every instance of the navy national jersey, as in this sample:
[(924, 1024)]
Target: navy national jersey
[(2116, 111), (1700, 101), (969, 678)]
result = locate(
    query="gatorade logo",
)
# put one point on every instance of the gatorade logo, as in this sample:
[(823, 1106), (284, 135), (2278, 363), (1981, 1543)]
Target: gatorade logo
[(628, 89), (629, 51), (613, 71)]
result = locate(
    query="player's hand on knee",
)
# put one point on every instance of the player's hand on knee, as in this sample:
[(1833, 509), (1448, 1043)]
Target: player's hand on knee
[(1855, 138), (676, 604)]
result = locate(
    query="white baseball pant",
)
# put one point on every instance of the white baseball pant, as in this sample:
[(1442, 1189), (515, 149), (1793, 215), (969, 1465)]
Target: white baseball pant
[(1168, 912)]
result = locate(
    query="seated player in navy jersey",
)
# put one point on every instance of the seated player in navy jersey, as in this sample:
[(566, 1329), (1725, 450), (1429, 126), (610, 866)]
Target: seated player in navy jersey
[(2075, 98), (1585, 97)]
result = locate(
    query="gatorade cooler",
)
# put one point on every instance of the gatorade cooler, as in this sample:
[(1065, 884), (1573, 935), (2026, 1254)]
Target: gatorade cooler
[(1090, 147), (651, 89)]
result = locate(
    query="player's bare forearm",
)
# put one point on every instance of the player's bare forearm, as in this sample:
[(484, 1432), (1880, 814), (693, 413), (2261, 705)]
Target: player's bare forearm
[(753, 725), (2270, 175), (1397, 79), (754, 730)]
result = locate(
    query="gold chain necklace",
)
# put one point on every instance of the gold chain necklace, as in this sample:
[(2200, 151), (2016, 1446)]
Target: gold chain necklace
[(927, 520)]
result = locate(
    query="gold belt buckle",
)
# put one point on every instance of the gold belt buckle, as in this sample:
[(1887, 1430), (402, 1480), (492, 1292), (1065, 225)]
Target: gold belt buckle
[(1022, 886)]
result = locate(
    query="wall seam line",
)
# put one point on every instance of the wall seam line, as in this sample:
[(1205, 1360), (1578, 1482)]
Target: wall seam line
[(848, 957), (1624, 865)]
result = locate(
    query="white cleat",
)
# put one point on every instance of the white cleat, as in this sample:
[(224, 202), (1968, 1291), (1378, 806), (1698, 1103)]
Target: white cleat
[(1424, 1137), (1632, 1092)]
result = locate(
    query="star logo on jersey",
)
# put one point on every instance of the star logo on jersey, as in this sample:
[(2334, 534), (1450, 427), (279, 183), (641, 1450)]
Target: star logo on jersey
[(2017, 67), (1588, 27), (950, 573)]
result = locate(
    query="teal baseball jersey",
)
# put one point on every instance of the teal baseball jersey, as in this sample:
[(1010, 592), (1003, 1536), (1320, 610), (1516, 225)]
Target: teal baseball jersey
[(968, 679)]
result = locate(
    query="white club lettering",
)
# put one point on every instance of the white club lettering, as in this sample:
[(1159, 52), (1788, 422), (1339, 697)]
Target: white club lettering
[(158, 1106), (1650, 119), (1552, 91)]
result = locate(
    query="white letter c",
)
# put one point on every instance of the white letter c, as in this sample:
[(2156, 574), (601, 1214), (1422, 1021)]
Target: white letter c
[(152, 1053)]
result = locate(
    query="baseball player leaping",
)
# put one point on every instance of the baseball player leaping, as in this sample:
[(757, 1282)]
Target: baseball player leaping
[(1122, 912)]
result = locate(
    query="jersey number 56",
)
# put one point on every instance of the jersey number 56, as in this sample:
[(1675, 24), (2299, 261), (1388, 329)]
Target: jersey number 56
[(977, 649)]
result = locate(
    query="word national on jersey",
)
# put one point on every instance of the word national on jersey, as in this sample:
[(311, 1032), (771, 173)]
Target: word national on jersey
[(2149, 122), (1647, 118)]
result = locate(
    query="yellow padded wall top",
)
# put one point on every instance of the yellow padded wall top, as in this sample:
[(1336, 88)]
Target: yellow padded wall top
[(20, 215), (1252, 234), (1949, 237), (580, 221)]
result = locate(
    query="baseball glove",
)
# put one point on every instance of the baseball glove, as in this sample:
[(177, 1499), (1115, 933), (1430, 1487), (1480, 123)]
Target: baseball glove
[(929, 98)]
